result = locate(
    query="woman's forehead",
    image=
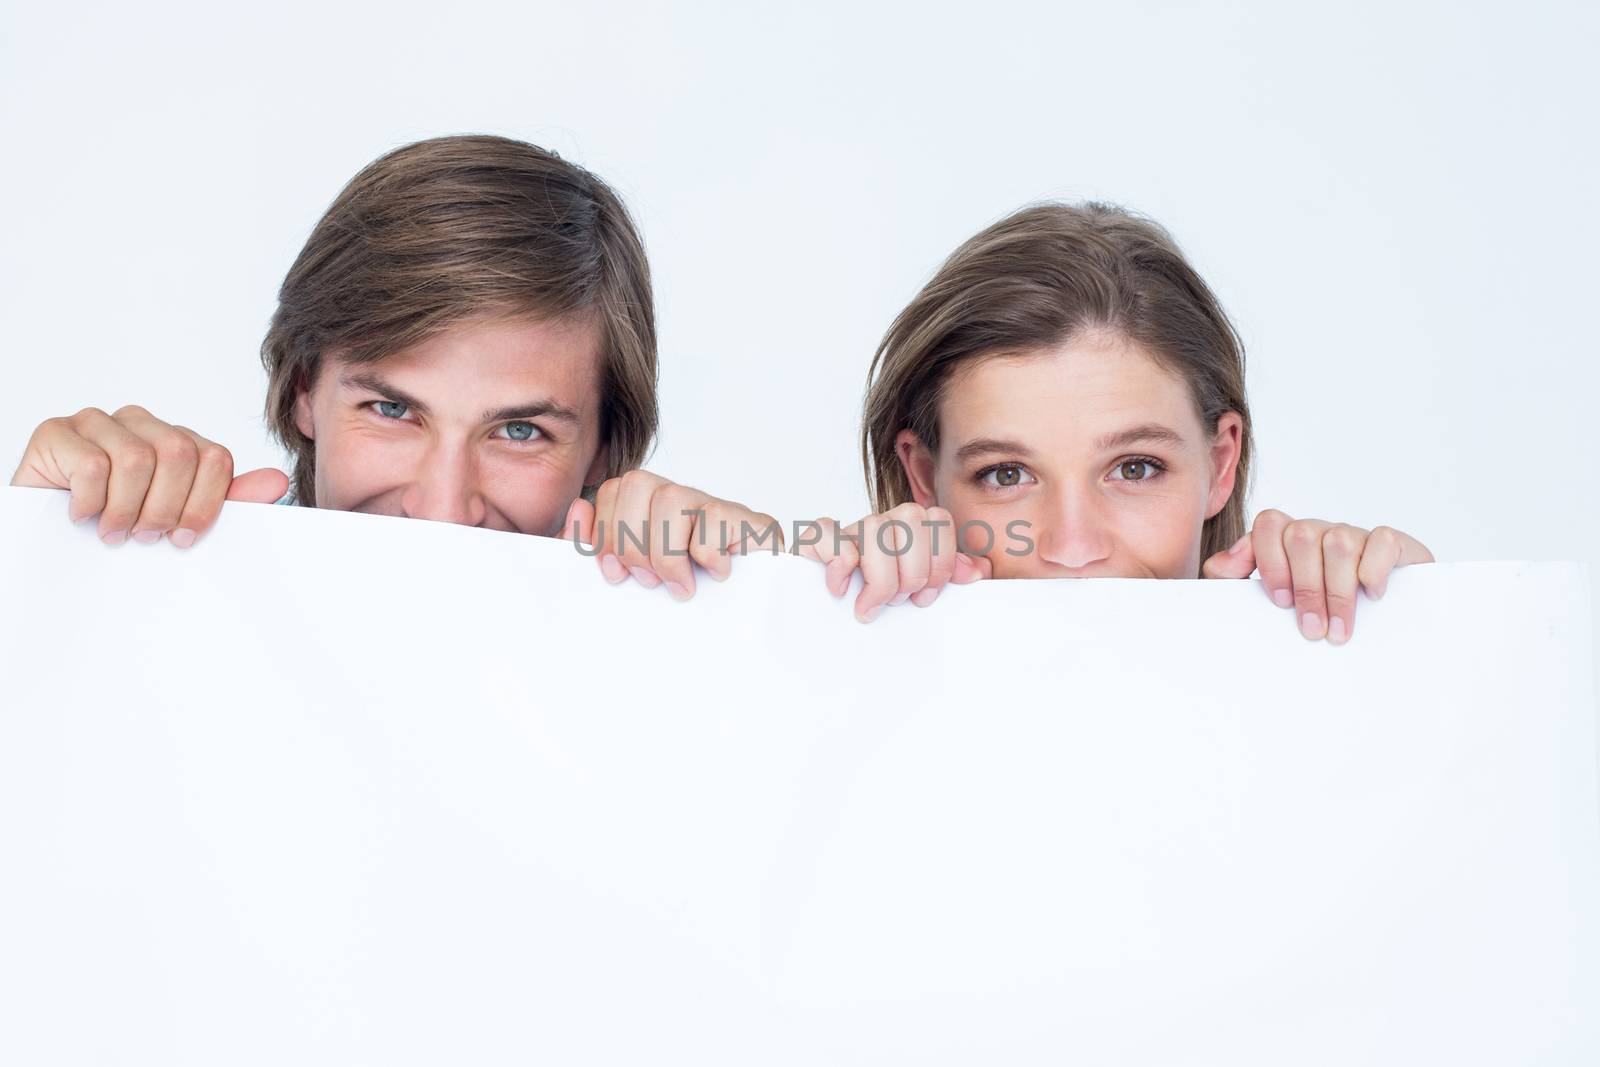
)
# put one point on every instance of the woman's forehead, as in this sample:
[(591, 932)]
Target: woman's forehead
[(1079, 388)]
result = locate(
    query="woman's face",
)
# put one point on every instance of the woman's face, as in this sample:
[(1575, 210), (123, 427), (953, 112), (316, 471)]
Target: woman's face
[(1091, 451)]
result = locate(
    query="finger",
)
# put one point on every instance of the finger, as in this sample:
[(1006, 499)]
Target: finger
[(833, 546), (1386, 549), (970, 568), (841, 567), (1236, 561), (579, 525), (878, 567), (177, 465), (1341, 553), (264, 485), (59, 457), (133, 464), (940, 531), (752, 531), (1302, 541), (676, 514), (814, 539), (912, 554), (631, 524), (717, 537), (1272, 558), (605, 531), (213, 478)]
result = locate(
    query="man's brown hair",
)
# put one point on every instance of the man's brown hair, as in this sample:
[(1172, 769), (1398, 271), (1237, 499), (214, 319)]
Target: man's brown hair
[(1037, 279), (444, 230)]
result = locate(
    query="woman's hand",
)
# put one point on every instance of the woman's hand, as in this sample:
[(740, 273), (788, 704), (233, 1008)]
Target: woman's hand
[(140, 475), (908, 553), (644, 525), (1315, 567)]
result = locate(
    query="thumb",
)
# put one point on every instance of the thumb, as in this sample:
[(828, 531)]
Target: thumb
[(579, 526), (970, 568), (1235, 562), (264, 486)]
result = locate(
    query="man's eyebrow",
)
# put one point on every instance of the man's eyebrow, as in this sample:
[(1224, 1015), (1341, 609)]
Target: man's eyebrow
[(534, 409), (360, 379), (983, 446), (1149, 433)]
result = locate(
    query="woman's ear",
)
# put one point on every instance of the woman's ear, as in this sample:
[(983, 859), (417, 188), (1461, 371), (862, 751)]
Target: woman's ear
[(1225, 446), (917, 462)]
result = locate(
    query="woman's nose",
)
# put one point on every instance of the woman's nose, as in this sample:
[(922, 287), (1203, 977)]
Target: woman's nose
[(444, 487), (1075, 533)]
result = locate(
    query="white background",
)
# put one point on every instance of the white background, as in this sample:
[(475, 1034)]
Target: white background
[(1396, 204)]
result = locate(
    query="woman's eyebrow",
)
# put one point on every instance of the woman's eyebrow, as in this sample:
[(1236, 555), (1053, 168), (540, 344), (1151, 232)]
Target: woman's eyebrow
[(983, 446), (372, 383), (1148, 433)]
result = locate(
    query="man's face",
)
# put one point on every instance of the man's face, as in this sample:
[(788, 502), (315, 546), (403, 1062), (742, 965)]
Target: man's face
[(495, 422)]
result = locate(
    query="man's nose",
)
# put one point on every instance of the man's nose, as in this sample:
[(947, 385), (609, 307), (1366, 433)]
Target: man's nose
[(444, 486), (1076, 532)]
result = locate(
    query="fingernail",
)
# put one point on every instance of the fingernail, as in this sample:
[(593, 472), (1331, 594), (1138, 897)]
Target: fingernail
[(677, 591), (115, 537), (611, 567), (723, 570), (644, 577), (1283, 598), (1336, 634), (1311, 626), (1378, 594), (900, 598), (924, 597), (872, 613), (147, 537), (182, 538)]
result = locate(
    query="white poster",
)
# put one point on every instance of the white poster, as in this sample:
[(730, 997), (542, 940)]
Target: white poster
[(342, 789)]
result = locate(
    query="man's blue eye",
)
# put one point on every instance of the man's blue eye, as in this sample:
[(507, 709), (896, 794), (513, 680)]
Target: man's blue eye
[(391, 409), (521, 431)]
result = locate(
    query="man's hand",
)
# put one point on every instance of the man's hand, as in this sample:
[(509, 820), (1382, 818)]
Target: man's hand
[(1315, 567), (651, 528), (140, 475)]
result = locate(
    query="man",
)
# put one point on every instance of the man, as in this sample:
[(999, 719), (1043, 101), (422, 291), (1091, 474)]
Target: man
[(468, 336)]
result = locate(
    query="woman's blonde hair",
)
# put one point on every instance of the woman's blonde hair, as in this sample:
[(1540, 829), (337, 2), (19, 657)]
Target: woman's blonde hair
[(443, 230), (1037, 279)]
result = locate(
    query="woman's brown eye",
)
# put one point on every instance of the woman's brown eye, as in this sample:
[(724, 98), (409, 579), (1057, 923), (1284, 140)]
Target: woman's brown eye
[(1008, 475), (1135, 464)]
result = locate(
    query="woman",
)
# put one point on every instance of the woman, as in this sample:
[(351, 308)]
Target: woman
[(1066, 398)]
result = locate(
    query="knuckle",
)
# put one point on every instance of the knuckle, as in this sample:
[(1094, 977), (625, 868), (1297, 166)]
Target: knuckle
[(86, 413), (1310, 597), (136, 458), (1269, 516), (1344, 540), (213, 457), (639, 478), (127, 410), (1384, 536), (1302, 534), (96, 466), (177, 448)]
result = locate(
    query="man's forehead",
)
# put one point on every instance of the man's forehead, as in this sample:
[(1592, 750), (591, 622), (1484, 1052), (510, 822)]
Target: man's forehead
[(496, 367)]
